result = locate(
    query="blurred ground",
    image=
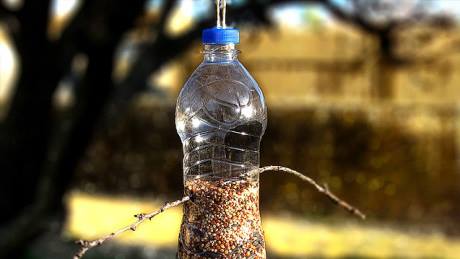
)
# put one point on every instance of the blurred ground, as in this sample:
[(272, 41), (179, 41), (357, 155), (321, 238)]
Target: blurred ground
[(286, 237)]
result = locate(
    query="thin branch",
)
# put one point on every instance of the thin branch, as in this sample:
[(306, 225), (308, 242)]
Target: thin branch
[(324, 190), (86, 245)]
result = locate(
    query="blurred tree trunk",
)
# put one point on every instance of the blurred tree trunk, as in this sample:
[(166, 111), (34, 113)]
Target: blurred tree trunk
[(36, 164), (25, 131)]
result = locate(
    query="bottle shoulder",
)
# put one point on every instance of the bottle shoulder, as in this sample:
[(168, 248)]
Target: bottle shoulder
[(225, 92), (209, 72)]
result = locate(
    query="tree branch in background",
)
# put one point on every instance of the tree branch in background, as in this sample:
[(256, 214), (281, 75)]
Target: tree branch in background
[(354, 18), (85, 245), (4, 11), (166, 48), (165, 14)]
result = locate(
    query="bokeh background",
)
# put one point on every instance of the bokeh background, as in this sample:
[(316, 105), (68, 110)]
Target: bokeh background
[(362, 95)]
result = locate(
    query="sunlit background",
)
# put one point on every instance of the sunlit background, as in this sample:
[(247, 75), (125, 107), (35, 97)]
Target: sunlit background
[(384, 135)]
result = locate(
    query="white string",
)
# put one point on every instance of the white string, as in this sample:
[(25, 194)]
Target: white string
[(224, 14), (218, 13), (221, 4)]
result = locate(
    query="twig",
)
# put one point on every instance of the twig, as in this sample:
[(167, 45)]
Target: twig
[(324, 190), (86, 245)]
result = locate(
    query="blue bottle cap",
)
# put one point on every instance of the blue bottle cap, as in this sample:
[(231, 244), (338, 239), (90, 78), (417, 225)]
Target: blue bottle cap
[(220, 35)]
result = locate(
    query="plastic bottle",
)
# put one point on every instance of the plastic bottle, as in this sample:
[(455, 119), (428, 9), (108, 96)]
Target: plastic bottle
[(220, 118)]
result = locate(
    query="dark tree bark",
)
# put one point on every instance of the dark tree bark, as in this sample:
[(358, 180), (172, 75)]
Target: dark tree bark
[(34, 179), (25, 131)]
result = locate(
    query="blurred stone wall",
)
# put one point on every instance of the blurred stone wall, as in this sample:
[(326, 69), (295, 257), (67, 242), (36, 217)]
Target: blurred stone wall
[(339, 65)]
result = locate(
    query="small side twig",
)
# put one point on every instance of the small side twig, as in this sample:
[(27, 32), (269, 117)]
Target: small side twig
[(324, 190), (86, 245)]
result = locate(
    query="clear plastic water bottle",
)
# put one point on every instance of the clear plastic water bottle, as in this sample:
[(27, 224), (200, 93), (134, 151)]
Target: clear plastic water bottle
[(220, 118)]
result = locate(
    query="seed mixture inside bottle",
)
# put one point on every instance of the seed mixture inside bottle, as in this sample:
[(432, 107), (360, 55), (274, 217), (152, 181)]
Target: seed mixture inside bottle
[(222, 220)]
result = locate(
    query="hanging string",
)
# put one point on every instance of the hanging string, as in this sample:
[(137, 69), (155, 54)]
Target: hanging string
[(224, 10), (221, 5), (218, 13)]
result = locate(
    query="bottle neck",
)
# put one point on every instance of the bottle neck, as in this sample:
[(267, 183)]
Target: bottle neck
[(216, 53)]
